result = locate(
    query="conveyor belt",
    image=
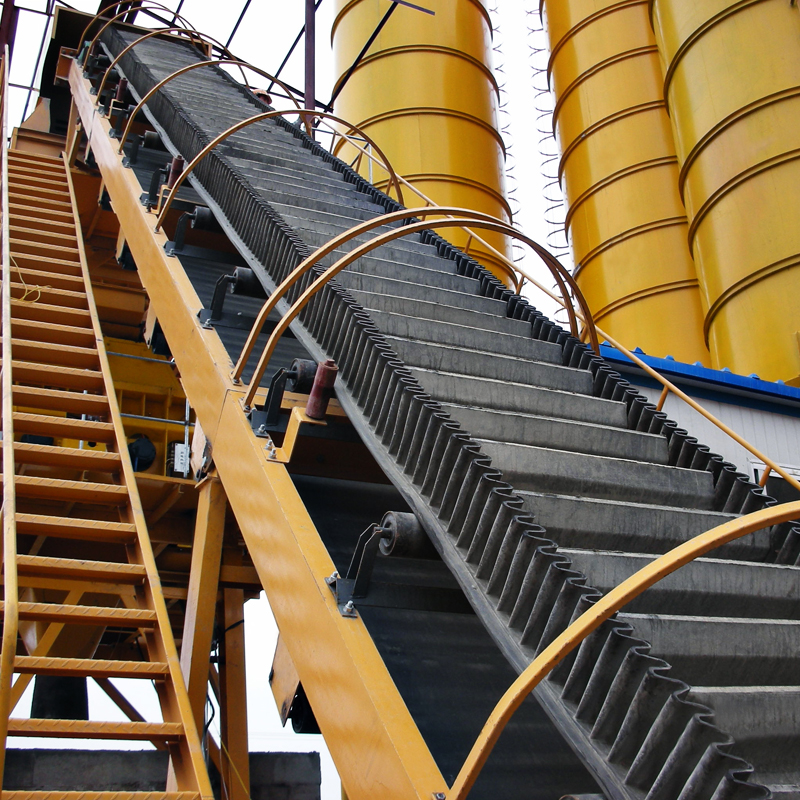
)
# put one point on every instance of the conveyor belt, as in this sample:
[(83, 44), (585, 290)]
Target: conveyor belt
[(560, 449)]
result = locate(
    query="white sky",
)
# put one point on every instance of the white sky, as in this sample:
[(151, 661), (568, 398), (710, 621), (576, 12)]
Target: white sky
[(263, 39)]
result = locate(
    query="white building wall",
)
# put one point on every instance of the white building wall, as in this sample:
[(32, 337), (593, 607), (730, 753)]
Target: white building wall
[(776, 435)]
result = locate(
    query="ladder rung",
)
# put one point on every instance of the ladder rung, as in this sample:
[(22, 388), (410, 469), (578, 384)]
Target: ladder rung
[(58, 400), (106, 494), (96, 667), (76, 569), (46, 332), (65, 241), (35, 278), (21, 247), (52, 181), (57, 297), (46, 312), (50, 193), (57, 377), (82, 729), (85, 615), (19, 195), (48, 353), (91, 530), (49, 214), (86, 458), (23, 218), (54, 795), (83, 430), (37, 167), (35, 158), (50, 263)]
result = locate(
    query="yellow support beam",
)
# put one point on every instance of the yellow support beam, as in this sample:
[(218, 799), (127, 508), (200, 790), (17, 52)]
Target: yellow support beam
[(354, 698)]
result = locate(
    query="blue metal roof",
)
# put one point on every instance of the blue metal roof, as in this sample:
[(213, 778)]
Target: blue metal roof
[(719, 383)]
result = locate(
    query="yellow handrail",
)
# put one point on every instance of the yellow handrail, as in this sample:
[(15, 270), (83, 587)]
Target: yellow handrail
[(305, 113), (302, 268), (9, 510), (560, 274), (590, 620), (182, 70), (509, 265), (150, 4)]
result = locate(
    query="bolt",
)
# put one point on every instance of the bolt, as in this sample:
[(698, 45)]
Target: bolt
[(348, 606), (439, 796), (330, 580)]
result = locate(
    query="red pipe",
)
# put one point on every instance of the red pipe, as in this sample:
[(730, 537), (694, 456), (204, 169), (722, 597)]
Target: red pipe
[(322, 390)]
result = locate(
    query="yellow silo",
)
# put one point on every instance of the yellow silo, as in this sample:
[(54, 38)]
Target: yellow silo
[(627, 225), (733, 90), (425, 93)]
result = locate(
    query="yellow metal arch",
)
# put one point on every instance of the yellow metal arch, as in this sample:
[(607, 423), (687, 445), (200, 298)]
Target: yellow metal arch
[(560, 274), (590, 620), (305, 113), (177, 73), (150, 3), (191, 31)]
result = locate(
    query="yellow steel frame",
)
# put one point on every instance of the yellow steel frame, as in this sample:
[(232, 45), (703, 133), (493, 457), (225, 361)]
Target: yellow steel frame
[(287, 511), (590, 620), (354, 697)]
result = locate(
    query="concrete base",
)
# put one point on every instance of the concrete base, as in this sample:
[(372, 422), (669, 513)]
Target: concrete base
[(277, 776)]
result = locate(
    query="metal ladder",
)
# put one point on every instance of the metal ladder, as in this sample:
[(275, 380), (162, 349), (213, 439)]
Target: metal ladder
[(65, 447)]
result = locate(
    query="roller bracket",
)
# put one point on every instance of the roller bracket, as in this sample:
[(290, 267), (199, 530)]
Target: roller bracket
[(355, 583)]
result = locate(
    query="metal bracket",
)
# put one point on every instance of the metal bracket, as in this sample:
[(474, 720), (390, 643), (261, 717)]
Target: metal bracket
[(263, 420), (283, 454), (355, 583), (152, 196)]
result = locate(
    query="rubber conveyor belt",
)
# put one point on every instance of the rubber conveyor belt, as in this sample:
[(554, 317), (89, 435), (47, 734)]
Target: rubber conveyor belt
[(430, 346)]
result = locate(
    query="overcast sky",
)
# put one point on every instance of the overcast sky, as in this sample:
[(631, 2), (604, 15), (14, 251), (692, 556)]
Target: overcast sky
[(263, 38)]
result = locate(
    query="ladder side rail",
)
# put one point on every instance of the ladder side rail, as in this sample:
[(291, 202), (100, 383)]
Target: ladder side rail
[(11, 609), (161, 647)]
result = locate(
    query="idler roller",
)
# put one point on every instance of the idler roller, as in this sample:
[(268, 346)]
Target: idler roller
[(301, 375), (203, 219), (246, 282), (405, 537), (152, 141)]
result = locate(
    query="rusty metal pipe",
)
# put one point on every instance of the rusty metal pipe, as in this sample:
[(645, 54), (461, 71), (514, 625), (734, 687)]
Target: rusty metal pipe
[(322, 390), (175, 170)]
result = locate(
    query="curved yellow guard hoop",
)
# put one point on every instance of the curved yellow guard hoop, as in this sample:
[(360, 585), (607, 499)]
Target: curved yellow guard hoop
[(302, 268), (590, 620), (113, 19), (560, 274), (201, 37), (178, 73), (305, 113)]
